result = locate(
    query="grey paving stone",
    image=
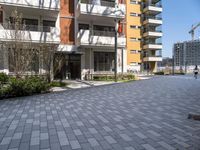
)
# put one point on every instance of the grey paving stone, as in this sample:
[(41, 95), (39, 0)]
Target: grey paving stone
[(137, 115), (148, 147), (110, 139), (93, 142), (75, 144), (166, 145), (125, 137)]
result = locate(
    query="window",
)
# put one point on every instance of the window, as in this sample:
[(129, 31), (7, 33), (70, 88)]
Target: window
[(103, 61), (135, 39), (1, 16), (135, 14), (134, 2), (31, 24), (47, 24), (135, 27), (29, 58), (134, 64), (83, 26), (133, 51)]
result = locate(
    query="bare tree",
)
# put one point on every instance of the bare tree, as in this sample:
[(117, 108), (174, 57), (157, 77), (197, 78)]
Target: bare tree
[(47, 53), (21, 52)]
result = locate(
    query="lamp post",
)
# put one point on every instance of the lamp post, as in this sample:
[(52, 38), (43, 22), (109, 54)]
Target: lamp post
[(116, 34), (116, 39), (173, 61)]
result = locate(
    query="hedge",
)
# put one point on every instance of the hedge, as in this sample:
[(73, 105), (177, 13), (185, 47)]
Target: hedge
[(15, 87), (110, 77)]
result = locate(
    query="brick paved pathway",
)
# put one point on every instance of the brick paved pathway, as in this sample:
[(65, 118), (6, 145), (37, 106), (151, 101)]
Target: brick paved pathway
[(150, 114)]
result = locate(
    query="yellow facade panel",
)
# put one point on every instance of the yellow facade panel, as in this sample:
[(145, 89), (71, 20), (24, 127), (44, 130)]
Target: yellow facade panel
[(133, 58), (134, 45), (136, 33)]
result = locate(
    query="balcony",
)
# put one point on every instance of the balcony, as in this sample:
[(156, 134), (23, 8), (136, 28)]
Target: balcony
[(152, 59), (152, 46), (153, 9), (99, 38), (106, 9), (41, 4), (153, 34), (152, 20), (29, 33)]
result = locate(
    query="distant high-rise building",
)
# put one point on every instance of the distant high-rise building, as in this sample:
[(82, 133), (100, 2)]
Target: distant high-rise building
[(83, 32), (187, 53)]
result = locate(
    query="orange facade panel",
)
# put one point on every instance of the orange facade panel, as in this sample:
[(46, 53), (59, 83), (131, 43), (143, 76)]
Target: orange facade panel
[(67, 32), (66, 8)]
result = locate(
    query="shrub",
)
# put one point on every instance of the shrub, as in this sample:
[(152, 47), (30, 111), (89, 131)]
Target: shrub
[(112, 77), (23, 87), (159, 73), (3, 78), (58, 84), (5, 91)]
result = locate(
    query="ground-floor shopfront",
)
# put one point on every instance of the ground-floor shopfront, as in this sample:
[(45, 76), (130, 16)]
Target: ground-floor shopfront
[(77, 64), (101, 60)]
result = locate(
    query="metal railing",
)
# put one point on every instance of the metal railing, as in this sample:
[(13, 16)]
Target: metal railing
[(152, 17), (103, 33), (103, 3), (151, 30), (25, 27), (154, 43), (154, 5)]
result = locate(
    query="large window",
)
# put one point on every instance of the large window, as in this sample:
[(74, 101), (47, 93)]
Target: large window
[(31, 24), (23, 60), (1, 16), (103, 61), (47, 24)]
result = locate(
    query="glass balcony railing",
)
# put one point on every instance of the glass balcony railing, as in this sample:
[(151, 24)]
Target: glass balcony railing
[(23, 27), (152, 30), (152, 17)]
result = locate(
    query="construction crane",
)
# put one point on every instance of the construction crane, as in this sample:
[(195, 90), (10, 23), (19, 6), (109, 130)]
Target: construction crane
[(192, 31)]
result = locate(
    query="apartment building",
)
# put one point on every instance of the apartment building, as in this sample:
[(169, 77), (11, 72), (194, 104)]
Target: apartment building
[(81, 31), (144, 46), (186, 54), (83, 34)]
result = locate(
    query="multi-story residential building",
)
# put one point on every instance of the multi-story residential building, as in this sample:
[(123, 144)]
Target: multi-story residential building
[(83, 34), (144, 34), (186, 54), (82, 31)]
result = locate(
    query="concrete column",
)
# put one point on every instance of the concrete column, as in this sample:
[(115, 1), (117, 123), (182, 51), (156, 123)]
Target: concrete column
[(83, 64), (1, 58), (6, 61)]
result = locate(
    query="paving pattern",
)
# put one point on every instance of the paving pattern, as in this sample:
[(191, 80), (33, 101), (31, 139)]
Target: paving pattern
[(149, 114)]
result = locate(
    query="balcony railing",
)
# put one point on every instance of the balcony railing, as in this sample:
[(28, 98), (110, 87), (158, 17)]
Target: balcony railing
[(152, 30), (23, 27), (152, 17), (103, 33), (103, 3), (41, 4), (153, 43), (153, 5)]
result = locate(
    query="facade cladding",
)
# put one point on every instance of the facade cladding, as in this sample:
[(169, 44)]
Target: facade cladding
[(187, 53), (83, 34)]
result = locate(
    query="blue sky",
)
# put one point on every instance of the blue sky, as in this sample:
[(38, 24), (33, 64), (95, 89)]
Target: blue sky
[(178, 17)]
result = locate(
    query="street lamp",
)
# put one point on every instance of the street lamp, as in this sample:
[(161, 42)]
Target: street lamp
[(116, 38), (116, 34)]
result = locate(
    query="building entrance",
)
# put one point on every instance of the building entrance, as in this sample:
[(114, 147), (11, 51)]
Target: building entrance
[(67, 66)]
